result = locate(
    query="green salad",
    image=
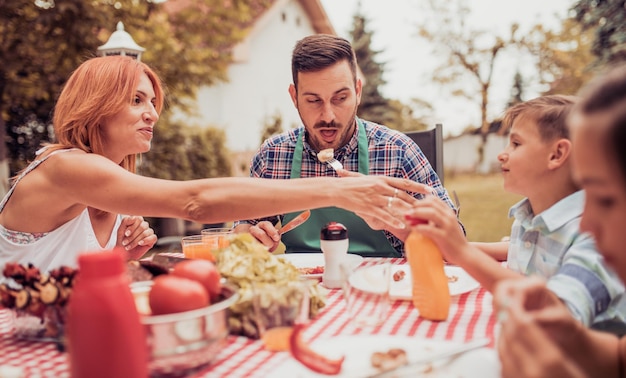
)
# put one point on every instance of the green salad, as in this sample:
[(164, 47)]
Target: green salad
[(271, 289)]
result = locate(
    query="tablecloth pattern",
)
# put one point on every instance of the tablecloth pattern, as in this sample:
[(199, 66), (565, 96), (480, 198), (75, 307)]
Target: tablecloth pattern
[(471, 317)]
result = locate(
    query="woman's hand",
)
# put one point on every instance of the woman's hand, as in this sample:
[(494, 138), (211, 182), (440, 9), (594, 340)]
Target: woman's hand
[(135, 236), (397, 203)]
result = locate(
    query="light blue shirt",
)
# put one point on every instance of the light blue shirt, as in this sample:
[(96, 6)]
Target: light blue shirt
[(551, 246)]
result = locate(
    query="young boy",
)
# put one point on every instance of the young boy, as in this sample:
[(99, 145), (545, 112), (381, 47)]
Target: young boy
[(545, 236)]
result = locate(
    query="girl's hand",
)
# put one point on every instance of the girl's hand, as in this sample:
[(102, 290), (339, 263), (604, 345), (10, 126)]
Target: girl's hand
[(538, 337), (434, 218)]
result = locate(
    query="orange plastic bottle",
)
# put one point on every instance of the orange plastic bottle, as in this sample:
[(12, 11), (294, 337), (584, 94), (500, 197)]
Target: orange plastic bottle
[(105, 337), (431, 294)]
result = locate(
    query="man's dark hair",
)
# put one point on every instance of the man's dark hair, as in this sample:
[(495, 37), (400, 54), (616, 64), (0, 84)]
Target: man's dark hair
[(319, 51)]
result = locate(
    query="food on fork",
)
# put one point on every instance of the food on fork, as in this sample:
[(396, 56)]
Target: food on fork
[(326, 155)]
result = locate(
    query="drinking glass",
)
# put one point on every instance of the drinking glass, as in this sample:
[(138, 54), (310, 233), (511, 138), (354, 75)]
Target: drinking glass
[(216, 238), (366, 292), (194, 247), (277, 308)]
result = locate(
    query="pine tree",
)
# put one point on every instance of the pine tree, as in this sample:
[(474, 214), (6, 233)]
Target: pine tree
[(374, 106), (517, 90), (608, 19)]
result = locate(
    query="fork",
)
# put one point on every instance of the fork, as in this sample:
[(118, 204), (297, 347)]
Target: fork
[(327, 156), (336, 164), (409, 369)]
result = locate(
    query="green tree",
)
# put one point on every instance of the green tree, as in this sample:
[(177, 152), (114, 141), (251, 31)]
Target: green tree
[(39, 47), (273, 125), (564, 59), (187, 44), (168, 156), (374, 106), (517, 91), (607, 18), (207, 153), (412, 117)]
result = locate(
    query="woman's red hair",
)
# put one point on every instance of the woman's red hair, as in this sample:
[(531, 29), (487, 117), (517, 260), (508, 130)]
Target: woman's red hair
[(98, 89)]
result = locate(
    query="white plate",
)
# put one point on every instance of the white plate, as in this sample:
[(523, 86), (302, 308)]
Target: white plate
[(479, 363), (312, 260), (402, 289)]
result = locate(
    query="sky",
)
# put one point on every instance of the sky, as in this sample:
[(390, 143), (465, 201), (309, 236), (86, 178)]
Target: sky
[(409, 59)]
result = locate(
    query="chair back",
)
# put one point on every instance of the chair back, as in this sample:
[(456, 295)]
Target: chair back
[(431, 143)]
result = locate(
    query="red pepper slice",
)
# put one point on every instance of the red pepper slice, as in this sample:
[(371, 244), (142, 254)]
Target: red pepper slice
[(301, 351)]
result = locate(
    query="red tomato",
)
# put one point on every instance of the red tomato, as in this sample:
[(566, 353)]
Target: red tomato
[(202, 271), (170, 294)]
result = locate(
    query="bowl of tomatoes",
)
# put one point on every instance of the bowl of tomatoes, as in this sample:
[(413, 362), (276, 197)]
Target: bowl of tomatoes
[(184, 314)]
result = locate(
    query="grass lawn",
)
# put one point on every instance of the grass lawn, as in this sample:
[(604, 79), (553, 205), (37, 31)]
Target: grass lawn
[(484, 205)]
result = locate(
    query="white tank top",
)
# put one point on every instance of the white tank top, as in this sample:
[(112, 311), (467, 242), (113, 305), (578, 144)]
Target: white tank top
[(55, 248)]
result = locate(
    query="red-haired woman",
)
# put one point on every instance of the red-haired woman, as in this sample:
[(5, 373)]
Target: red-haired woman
[(70, 198)]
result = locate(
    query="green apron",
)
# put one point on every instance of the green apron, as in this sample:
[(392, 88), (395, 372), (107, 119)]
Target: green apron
[(364, 241)]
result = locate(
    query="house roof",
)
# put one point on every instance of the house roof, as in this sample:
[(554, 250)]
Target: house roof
[(313, 8), (319, 18)]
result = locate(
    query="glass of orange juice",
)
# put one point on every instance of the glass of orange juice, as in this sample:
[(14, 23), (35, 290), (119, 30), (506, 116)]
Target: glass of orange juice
[(216, 238), (194, 247)]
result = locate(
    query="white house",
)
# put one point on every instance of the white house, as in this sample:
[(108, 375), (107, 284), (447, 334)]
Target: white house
[(257, 90), (460, 153), (259, 77)]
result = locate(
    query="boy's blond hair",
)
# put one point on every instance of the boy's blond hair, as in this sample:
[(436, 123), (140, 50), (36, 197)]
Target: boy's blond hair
[(548, 112)]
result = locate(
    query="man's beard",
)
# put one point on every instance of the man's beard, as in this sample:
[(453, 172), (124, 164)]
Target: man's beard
[(345, 137)]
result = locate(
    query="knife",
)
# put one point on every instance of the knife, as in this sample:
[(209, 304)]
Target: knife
[(295, 222), (409, 368)]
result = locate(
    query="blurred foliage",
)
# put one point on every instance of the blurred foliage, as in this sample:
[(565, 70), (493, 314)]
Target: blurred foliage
[(187, 43), (273, 125), (411, 117), (563, 57), (207, 153), (470, 55), (607, 20), (374, 106), (517, 90), (183, 153)]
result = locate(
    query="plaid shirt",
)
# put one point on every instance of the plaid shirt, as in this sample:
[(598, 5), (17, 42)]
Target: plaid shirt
[(551, 246), (391, 153)]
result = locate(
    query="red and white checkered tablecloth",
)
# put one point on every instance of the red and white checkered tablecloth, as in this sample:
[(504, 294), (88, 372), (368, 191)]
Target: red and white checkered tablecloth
[(471, 317)]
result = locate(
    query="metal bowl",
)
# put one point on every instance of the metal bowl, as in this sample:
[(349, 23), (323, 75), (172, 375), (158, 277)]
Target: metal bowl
[(186, 340)]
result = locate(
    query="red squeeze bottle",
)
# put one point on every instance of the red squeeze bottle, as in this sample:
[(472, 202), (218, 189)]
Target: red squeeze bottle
[(105, 337)]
